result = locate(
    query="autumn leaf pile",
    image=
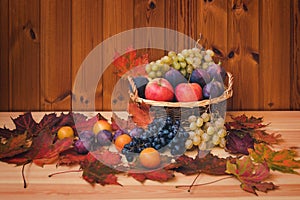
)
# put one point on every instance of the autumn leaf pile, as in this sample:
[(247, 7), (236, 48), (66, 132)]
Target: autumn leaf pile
[(251, 160)]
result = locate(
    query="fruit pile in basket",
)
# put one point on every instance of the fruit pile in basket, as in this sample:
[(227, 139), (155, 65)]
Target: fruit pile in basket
[(188, 76)]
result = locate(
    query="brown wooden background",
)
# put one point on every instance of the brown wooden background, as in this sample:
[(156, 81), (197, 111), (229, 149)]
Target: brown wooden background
[(43, 44)]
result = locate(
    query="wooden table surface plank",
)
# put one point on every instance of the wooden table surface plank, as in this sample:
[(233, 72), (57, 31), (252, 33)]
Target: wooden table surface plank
[(72, 186)]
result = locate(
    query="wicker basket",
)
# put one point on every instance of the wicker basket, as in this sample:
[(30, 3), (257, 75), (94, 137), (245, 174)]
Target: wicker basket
[(181, 109)]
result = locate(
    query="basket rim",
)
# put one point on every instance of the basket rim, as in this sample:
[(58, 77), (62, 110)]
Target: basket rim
[(228, 92)]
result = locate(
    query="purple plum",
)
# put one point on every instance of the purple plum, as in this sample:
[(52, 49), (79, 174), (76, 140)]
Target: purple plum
[(200, 76), (82, 147)]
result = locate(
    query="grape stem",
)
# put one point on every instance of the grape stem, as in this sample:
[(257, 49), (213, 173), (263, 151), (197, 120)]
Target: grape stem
[(207, 183)]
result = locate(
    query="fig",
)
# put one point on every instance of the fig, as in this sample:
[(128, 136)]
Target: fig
[(200, 76), (213, 89), (216, 72), (175, 77), (140, 83)]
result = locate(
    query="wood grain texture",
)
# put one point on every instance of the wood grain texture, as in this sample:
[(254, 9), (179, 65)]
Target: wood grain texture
[(212, 22), (72, 186), (274, 44), (87, 26), (256, 40), (55, 69), (122, 14), (24, 54), (295, 44), (4, 53), (150, 14), (181, 16), (242, 55), (186, 22), (171, 22), (212, 25)]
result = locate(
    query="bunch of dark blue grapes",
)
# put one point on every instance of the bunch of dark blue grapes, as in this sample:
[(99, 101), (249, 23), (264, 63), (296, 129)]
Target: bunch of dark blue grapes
[(162, 134)]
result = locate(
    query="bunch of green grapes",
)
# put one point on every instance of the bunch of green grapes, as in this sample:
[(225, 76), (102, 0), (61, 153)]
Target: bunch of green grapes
[(206, 131), (198, 57), (189, 59), (185, 62), (159, 68)]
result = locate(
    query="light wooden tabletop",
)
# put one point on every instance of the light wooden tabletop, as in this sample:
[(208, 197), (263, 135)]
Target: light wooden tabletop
[(72, 186)]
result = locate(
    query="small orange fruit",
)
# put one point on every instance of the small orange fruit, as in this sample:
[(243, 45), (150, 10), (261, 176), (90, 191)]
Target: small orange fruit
[(150, 158), (121, 141), (65, 132), (101, 125)]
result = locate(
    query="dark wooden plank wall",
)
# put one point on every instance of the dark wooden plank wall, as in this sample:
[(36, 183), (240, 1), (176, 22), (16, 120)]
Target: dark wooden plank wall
[(43, 43)]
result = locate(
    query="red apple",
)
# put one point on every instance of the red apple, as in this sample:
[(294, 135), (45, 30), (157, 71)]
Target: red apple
[(159, 89), (187, 92)]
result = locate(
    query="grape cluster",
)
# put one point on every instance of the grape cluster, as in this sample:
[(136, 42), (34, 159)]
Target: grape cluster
[(197, 58), (162, 135), (159, 68), (206, 131), (185, 62)]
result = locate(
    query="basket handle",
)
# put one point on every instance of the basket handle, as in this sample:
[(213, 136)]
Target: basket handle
[(134, 93), (230, 84)]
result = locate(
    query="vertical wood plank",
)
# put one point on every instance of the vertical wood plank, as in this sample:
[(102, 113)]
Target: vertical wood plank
[(24, 49), (118, 17), (243, 53), (295, 71), (4, 67), (212, 24), (171, 22), (55, 55), (150, 14), (187, 22), (86, 34), (275, 51), (181, 16)]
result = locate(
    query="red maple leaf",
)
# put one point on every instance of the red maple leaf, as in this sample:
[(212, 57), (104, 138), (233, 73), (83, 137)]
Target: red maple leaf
[(24, 123), (128, 61), (263, 136), (251, 175), (284, 160), (238, 142), (208, 164), (245, 123), (13, 143), (119, 123), (81, 122), (64, 120), (71, 157), (107, 157), (43, 150), (48, 121), (95, 171), (160, 175), (46, 151)]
